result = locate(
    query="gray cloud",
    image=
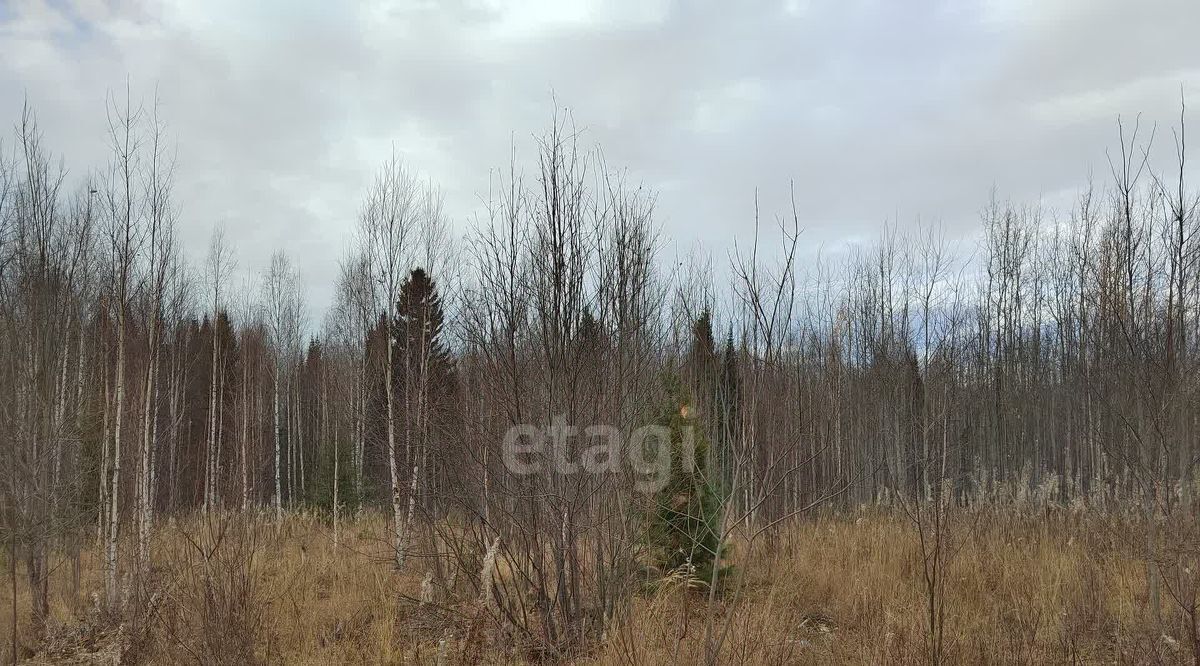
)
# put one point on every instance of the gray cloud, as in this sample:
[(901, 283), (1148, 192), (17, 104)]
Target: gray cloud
[(283, 110)]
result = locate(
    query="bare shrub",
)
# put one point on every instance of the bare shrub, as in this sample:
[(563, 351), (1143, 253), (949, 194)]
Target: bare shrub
[(217, 603)]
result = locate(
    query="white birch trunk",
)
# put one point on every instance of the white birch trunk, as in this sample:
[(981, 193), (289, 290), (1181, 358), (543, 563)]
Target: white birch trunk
[(114, 499), (244, 438), (212, 415), (278, 451), (397, 509), (149, 437)]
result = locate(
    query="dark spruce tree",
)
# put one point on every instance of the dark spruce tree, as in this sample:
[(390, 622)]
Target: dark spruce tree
[(728, 408), (419, 321), (424, 380), (702, 360), (701, 374)]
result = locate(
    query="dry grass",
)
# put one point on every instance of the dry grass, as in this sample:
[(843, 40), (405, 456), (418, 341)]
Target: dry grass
[(1041, 588), (848, 590)]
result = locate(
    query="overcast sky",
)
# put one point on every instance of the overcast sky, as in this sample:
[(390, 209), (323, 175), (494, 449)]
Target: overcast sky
[(877, 109)]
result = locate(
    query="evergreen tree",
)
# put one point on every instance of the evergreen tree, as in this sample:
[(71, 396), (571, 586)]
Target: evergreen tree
[(685, 529), (702, 374), (590, 337), (419, 321), (702, 358), (322, 487), (728, 407), (424, 380)]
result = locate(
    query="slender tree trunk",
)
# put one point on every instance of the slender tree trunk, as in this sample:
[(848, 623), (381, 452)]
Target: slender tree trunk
[(245, 435), (291, 442), (300, 439), (105, 441), (360, 430), (212, 410), (216, 479), (278, 451), (178, 381), (149, 437), (397, 509), (60, 424), (77, 483), (336, 452), (114, 513)]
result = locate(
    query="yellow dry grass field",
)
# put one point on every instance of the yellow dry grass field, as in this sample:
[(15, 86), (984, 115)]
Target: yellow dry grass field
[(1029, 588)]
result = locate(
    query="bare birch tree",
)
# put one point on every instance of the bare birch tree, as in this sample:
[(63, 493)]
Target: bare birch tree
[(283, 312), (387, 225)]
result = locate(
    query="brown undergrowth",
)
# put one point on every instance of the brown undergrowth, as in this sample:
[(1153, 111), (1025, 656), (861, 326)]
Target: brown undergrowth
[(1023, 587)]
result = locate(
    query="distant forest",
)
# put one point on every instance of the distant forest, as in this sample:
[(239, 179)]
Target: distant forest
[(1056, 361)]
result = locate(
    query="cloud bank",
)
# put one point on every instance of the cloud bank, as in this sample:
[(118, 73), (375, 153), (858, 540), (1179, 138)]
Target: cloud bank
[(875, 110)]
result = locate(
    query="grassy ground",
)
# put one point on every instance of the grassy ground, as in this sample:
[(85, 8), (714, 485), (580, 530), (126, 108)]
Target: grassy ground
[(1021, 588)]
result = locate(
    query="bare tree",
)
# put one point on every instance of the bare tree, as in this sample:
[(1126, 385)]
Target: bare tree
[(284, 318), (387, 224), (45, 250), (219, 265), (125, 229), (160, 242)]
